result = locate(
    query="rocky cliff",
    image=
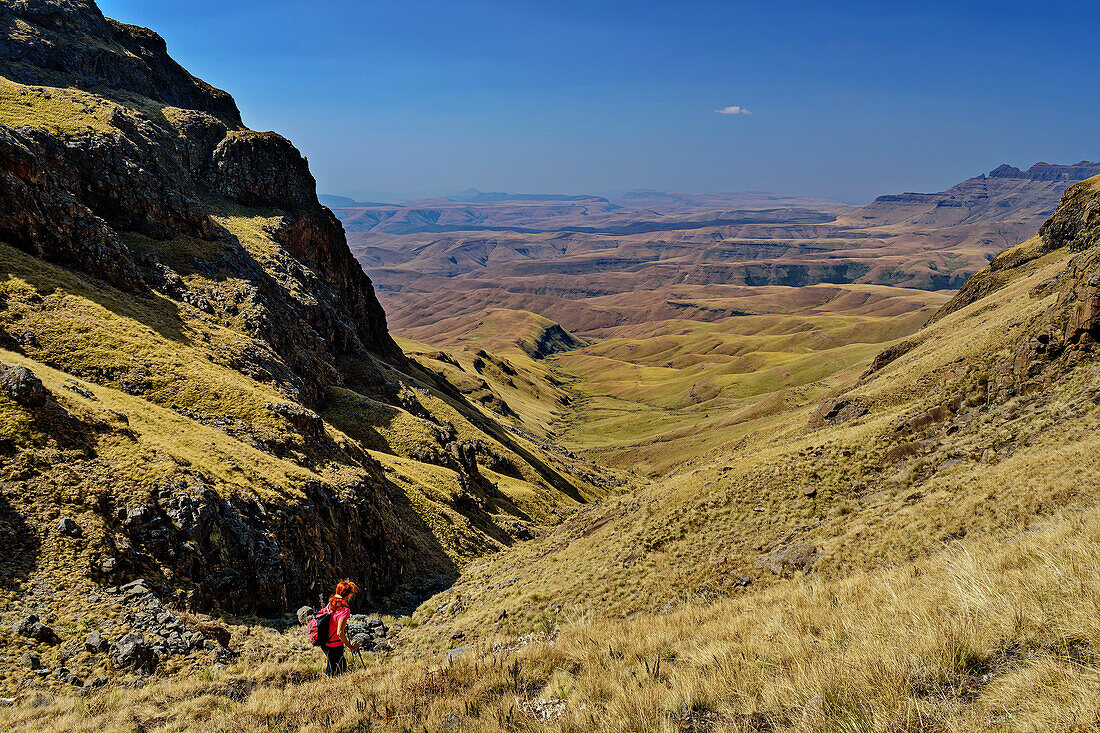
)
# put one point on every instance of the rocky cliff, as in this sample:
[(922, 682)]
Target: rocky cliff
[(1049, 172), (142, 158), (1005, 194), (218, 407)]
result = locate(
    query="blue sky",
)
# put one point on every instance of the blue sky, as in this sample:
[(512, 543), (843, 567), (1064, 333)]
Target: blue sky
[(847, 99)]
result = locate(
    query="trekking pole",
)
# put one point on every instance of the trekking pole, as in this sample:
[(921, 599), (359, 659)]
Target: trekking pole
[(362, 664)]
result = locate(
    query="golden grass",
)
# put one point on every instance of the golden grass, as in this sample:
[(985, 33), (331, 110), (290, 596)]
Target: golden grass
[(690, 533), (153, 397), (61, 111), (1001, 634)]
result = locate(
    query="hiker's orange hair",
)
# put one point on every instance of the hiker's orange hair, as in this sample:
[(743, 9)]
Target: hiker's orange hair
[(344, 590)]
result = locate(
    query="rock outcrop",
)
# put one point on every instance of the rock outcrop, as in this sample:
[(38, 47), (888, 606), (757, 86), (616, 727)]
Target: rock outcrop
[(156, 249), (23, 386), (1075, 224), (69, 43), (71, 198), (1050, 344)]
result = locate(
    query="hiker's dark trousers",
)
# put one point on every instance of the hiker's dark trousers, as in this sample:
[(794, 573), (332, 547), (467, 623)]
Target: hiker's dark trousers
[(336, 662)]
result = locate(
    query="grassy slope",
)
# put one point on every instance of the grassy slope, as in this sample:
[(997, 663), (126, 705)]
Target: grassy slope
[(649, 396), (148, 396), (180, 354), (983, 636), (693, 533), (956, 589), (491, 360)]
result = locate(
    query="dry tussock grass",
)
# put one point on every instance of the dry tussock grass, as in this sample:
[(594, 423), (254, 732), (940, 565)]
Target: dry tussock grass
[(1002, 634)]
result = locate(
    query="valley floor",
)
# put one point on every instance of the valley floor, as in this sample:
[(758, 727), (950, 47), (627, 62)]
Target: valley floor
[(919, 553)]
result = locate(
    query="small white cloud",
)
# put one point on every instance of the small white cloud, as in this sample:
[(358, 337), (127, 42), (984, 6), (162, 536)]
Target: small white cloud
[(734, 110)]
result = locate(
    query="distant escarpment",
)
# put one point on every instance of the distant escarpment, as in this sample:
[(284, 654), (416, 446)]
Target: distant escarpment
[(224, 413), (1049, 172), (1074, 225), (587, 263), (1005, 194)]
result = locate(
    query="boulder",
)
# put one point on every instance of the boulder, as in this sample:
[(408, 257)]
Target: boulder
[(836, 411), (131, 651), (213, 631), (31, 627), (305, 421), (31, 660), (22, 386), (138, 516), (792, 559), (136, 589), (68, 527), (889, 355), (458, 651), (64, 675), (95, 643)]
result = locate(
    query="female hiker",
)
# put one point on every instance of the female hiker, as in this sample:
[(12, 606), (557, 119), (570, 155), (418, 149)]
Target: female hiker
[(337, 627)]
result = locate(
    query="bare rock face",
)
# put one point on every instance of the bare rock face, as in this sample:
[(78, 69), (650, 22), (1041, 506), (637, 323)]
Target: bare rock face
[(1075, 318), (238, 553), (1076, 223), (149, 188), (33, 628), (889, 355), (242, 169), (131, 651), (1047, 172), (95, 643), (1049, 345), (837, 410), (41, 217), (97, 198)]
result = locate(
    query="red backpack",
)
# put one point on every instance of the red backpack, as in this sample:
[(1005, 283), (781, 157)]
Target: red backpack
[(319, 627)]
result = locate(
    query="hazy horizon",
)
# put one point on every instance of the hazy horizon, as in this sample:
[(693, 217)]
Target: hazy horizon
[(395, 197), (844, 102)]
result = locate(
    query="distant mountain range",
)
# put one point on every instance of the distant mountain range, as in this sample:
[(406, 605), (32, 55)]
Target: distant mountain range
[(1005, 193), (554, 255), (1049, 172)]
